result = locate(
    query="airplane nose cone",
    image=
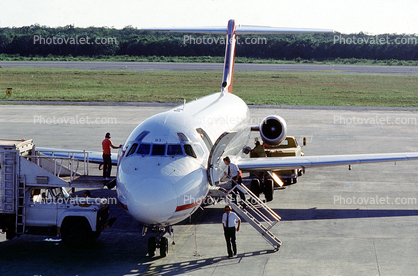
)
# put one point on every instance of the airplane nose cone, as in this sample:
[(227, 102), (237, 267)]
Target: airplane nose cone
[(152, 200)]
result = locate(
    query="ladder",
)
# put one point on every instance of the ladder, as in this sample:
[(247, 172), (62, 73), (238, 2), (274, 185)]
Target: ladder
[(20, 204), (10, 159), (255, 212)]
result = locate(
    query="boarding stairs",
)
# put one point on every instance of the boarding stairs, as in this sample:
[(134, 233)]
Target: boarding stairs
[(255, 212)]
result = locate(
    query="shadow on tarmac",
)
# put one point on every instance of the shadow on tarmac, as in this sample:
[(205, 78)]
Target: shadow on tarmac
[(190, 266), (314, 213)]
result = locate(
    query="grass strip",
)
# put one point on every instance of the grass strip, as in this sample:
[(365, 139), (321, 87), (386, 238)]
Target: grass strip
[(272, 88)]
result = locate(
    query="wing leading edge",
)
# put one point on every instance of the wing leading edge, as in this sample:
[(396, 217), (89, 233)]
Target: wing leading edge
[(286, 163)]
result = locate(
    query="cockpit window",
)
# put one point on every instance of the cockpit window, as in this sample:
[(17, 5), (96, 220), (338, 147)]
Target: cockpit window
[(132, 149), (189, 151), (144, 149), (141, 136), (182, 137), (158, 149), (174, 150), (205, 138)]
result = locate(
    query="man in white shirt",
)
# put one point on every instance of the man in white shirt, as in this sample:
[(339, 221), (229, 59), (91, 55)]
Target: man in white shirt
[(229, 220), (235, 174)]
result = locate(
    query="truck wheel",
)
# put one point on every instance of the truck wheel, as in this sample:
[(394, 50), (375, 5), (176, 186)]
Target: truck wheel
[(151, 246), (163, 247), (268, 189), (76, 230), (10, 234), (95, 235), (255, 186)]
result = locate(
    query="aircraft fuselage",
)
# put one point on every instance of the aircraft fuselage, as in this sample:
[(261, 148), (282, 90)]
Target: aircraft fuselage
[(162, 175)]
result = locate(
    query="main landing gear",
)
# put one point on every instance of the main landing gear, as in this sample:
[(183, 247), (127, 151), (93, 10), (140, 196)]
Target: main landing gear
[(262, 184), (158, 241)]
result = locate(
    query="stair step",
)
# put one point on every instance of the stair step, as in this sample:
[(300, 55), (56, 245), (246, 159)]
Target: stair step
[(266, 234)]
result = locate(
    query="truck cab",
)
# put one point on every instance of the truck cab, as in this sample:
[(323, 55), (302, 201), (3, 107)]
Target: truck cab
[(52, 211)]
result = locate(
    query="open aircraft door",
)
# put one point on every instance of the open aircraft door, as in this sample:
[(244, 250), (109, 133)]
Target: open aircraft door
[(215, 155)]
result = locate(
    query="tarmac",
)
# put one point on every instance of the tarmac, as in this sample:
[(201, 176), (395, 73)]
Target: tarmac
[(335, 221)]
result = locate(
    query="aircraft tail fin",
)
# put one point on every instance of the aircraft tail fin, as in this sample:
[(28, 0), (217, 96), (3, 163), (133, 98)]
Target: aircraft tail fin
[(232, 31), (229, 62)]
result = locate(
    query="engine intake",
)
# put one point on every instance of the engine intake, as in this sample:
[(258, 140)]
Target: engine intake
[(273, 130)]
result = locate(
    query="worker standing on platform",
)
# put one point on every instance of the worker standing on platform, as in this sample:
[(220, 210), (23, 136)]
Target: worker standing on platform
[(107, 160), (258, 150)]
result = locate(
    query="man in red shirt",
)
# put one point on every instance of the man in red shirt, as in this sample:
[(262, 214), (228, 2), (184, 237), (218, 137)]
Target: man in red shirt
[(107, 161)]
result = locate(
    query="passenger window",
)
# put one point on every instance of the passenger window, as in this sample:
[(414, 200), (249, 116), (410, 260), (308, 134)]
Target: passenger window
[(174, 150), (132, 149), (158, 149), (144, 149), (189, 151)]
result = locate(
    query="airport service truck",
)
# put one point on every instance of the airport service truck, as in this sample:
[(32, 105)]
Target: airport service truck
[(36, 201), (288, 147)]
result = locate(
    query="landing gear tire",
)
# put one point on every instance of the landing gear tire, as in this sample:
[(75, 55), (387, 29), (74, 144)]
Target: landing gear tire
[(76, 231), (152, 245), (163, 247), (255, 186), (268, 189), (255, 189), (10, 234)]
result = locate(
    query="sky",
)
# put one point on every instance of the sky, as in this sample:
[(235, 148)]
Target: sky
[(368, 16)]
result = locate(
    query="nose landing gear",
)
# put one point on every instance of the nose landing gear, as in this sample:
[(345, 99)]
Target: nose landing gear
[(159, 241)]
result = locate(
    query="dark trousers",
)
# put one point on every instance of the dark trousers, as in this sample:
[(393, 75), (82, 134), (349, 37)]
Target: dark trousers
[(107, 165), (236, 190), (230, 238)]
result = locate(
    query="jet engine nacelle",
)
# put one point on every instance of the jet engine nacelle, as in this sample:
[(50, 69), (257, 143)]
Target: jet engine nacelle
[(273, 130)]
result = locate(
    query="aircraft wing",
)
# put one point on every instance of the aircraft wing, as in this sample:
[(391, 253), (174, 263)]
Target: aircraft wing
[(91, 156), (242, 30), (301, 162)]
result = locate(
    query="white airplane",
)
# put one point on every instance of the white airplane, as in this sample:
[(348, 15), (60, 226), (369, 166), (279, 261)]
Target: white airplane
[(170, 160)]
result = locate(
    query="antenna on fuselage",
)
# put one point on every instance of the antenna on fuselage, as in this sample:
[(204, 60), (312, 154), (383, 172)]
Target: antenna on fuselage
[(181, 108)]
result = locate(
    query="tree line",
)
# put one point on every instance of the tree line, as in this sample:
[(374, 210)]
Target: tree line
[(36, 40)]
